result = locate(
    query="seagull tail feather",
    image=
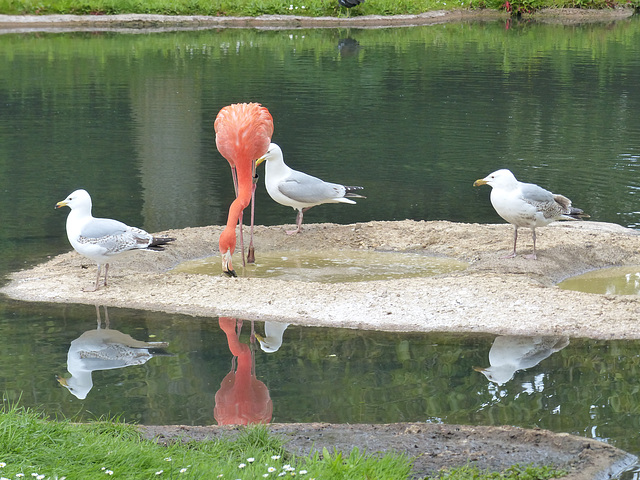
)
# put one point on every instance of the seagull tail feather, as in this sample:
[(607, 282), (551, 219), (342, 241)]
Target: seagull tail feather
[(575, 214), (158, 243)]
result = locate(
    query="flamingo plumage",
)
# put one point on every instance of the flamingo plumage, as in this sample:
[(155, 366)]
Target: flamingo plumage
[(243, 134)]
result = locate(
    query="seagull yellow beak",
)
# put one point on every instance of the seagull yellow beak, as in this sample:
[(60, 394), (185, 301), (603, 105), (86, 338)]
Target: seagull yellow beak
[(62, 381), (480, 181), (259, 337), (479, 369), (260, 160), (61, 204)]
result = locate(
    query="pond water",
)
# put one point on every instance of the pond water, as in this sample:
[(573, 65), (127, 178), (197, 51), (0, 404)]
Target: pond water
[(586, 387), (414, 115), (612, 281), (333, 266)]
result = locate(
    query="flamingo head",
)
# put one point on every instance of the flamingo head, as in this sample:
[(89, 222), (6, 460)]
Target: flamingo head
[(227, 267), (227, 245)]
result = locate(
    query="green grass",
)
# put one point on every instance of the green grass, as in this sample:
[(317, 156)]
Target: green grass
[(313, 8), (34, 447)]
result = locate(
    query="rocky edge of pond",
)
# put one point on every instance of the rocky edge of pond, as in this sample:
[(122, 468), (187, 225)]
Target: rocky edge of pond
[(516, 296), (18, 23)]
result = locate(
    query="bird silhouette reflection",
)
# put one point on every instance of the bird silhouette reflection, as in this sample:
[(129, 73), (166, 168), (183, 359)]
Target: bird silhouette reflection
[(509, 354), (273, 333), (242, 399), (103, 349)]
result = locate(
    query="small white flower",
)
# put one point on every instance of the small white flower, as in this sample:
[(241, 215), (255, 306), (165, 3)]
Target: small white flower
[(4, 478), (2, 464), (290, 7), (264, 475), (19, 475), (159, 472), (183, 470), (242, 465), (271, 469), (168, 459), (275, 457), (302, 472), (251, 459)]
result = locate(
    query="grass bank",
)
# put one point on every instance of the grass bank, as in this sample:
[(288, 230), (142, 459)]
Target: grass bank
[(311, 8), (34, 447)]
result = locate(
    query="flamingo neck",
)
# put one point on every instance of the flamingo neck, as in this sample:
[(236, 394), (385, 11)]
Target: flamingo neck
[(227, 242)]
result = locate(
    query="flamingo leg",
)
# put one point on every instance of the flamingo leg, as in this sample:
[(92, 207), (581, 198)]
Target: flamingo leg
[(234, 175), (251, 255)]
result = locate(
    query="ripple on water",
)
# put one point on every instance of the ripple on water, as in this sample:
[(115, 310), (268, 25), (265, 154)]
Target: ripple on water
[(332, 266), (613, 280)]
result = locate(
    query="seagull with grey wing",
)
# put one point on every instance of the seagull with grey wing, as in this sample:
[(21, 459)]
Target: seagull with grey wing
[(296, 189), (526, 204), (103, 239)]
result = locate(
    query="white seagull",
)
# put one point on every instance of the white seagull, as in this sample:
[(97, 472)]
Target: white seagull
[(102, 239), (295, 189), (526, 204)]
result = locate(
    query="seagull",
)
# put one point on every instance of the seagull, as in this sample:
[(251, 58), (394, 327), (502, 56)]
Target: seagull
[(102, 239), (526, 204), (295, 189)]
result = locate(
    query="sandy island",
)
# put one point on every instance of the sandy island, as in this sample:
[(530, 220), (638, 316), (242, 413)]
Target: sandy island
[(515, 296)]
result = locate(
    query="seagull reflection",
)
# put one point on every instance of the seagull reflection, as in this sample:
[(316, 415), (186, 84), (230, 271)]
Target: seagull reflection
[(103, 349), (242, 399), (272, 340), (509, 354)]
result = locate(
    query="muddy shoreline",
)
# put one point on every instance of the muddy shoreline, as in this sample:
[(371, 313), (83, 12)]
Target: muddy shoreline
[(133, 22)]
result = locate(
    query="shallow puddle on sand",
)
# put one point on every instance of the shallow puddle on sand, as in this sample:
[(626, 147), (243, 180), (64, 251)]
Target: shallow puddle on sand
[(614, 280), (331, 266)]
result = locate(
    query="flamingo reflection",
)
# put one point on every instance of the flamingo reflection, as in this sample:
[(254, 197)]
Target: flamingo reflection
[(103, 349), (509, 354), (242, 399)]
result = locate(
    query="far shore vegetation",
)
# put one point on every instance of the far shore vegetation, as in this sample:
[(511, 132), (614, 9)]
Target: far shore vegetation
[(310, 8)]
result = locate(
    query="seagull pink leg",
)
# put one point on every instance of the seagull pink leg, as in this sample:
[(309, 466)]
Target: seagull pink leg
[(298, 222), (515, 240), (533, 256)]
